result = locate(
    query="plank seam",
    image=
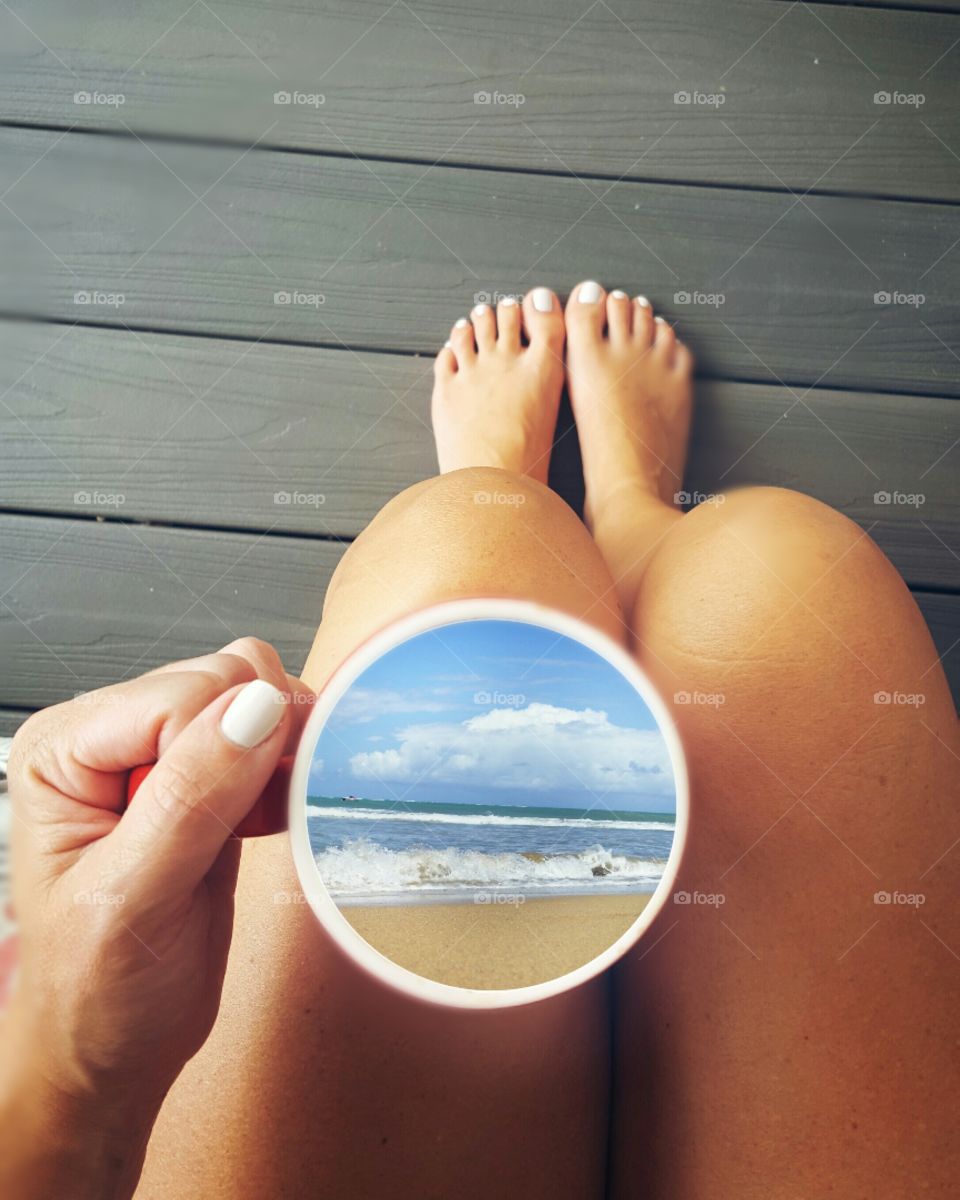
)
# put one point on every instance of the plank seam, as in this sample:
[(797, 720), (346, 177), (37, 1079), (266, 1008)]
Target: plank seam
[(939, 9), (40, 514), (388, 352), (492, 168), (301, 535)]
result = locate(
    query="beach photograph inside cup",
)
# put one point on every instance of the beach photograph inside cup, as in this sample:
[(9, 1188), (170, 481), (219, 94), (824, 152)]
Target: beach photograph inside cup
[(492, 804)]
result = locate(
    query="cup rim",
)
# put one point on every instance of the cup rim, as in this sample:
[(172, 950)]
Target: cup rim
[(433, 617)]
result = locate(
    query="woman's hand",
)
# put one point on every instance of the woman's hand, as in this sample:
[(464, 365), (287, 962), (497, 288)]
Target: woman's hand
[(126, 916)]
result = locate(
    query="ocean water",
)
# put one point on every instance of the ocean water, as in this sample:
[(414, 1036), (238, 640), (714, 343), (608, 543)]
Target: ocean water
[(371, 851)]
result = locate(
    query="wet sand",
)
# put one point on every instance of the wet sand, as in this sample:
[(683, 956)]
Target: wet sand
[(497, 945)]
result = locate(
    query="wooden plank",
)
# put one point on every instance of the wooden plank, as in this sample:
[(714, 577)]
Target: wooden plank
[(11, 719), (385, 256), (87, 603), (599, 85), (301, 440), (287, 438), (887, 462)]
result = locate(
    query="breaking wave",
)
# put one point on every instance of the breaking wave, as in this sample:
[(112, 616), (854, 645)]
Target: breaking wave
[(362, 868)]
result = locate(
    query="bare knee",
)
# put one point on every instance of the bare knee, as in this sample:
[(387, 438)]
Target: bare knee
[(483, 530), (462, 499), (475, 532), (785, 536), (771, 592)]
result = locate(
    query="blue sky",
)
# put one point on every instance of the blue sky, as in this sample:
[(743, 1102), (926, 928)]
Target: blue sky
[(494, 712)]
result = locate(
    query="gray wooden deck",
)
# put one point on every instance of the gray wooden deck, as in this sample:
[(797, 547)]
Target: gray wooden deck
[(742, 149)]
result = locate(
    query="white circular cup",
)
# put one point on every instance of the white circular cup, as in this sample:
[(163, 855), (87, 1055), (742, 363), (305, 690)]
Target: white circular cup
[(332, 919)]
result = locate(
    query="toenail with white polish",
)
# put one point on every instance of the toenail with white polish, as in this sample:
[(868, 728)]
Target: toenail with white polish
[(660, 320), (542, 300), (508, 301), (448, 345), (481, 309), (644, 302), (589, 292), (618, 295), (462, 323)]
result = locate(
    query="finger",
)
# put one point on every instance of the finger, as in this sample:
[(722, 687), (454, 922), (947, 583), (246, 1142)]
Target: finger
[(268, 815), (303, 699), (82, 749), (202, 787), (261, 656), (267, 664), (258, 654)]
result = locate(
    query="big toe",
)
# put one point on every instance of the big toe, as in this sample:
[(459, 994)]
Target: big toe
[(586, 313), (543, 320)]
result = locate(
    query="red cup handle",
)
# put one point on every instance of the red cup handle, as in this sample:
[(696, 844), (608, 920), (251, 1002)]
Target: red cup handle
[(268, 815)]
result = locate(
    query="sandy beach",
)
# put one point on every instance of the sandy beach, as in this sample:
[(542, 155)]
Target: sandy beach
[(497, 945)]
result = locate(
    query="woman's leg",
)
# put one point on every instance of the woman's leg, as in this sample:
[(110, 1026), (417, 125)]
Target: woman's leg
[(316, 1081), (792, 1029)]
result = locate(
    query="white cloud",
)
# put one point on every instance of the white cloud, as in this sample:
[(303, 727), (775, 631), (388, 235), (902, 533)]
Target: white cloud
[(540, 747)]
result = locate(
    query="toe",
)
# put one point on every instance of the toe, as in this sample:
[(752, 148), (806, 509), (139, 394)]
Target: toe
[(445, 364), (619, 317), (586, 311), (643, 323), (543, 319), (665, 340), (461, 339), (683, 360), (484, 326), (508, 325)]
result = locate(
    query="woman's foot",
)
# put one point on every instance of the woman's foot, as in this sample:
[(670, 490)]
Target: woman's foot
[(497, 385), (631, 389)]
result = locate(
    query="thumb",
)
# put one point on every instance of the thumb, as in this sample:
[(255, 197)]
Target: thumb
[(203, 785)]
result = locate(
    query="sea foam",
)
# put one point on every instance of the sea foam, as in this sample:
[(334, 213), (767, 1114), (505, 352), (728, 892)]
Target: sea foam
[(361, 867)]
